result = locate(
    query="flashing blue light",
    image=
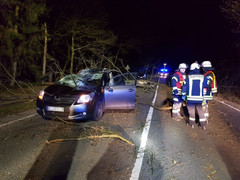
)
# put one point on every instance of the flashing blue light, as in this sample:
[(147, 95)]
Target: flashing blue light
[(164, 70)]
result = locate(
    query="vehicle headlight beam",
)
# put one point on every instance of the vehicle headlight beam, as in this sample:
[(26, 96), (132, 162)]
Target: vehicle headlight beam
[(41, 94), (85, 98)]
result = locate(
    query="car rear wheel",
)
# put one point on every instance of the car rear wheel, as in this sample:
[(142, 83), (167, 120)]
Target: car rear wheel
[(98, 111)]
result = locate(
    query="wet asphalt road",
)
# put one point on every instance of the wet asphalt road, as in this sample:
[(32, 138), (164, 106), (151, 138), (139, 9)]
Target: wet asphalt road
[(173, 149)]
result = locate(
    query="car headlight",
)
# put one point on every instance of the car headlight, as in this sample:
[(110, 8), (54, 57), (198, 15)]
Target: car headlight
[(41, 94), (85, 98)]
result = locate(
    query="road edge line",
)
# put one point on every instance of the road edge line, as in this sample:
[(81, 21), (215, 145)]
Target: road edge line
[(138, 163), (31, 115), (227, 104)]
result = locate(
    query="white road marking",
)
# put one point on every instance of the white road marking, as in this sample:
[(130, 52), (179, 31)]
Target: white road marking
[(2, 125), (227, 105), (138, 164)]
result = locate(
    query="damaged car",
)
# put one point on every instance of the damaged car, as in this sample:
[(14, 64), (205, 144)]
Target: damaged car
[(87, 94)]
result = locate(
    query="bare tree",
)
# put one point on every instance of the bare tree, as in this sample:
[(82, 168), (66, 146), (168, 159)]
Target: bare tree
[(87, 40), (21, 37), (45, 50), (231, 10)]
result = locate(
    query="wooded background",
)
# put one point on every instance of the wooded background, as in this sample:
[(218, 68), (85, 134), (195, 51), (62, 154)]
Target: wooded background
[(41, 42)]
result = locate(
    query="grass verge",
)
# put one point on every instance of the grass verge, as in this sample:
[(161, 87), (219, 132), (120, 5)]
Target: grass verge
[(14, 100), (10, 109)]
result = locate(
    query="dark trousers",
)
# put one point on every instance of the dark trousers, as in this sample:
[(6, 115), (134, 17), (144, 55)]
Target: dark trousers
[(192, 110)]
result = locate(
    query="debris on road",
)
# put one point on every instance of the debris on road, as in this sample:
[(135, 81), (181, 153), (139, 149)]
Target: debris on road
[(156, 107), (91, 137), (212, 173)]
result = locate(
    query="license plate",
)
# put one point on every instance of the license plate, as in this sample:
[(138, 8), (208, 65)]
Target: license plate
[(56, 109)]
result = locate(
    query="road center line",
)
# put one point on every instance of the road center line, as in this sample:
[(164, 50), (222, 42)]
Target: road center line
[(138, 163), (31, 115), (227, 105)]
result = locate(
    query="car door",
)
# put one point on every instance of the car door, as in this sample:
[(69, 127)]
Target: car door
[(121, 92)]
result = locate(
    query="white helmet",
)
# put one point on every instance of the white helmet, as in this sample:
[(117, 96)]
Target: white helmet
[(182, 65), (194, 66), (105, 70), (206, 64)]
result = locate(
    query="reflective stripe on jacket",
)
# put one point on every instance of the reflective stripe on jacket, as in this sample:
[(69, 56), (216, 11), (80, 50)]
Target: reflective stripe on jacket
[(214, 81), (212, 85), (193, 88), (177, 81)]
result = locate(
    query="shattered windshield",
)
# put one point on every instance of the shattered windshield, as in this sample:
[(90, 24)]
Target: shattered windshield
[(85, 78)]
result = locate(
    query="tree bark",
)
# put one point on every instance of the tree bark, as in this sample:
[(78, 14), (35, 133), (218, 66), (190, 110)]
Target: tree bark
[(45, 50), (72, 55), (14, 70), (15, 51)]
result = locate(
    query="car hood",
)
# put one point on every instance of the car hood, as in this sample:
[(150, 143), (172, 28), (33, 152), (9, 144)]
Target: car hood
[(63, 90)]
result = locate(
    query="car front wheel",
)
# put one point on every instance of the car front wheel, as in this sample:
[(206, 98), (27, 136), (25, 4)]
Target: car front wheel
[(98, 111)]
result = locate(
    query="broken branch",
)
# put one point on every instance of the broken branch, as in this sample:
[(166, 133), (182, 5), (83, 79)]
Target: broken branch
[(91, 137)]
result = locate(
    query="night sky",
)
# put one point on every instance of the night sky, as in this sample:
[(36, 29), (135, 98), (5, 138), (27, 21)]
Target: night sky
[(166, 31), (173, 31)]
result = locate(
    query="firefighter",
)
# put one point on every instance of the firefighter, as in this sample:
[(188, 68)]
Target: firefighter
[(192, 91), (176, 82), (209, 91)]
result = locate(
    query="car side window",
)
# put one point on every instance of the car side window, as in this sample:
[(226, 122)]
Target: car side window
[(118, 81), (130, 79)]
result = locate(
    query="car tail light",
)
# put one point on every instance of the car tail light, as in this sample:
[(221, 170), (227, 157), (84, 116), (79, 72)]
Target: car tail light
[(41, 94), (85, 98)]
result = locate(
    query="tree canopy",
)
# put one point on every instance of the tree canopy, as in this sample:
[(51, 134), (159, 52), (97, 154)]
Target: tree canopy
[(77, 37)]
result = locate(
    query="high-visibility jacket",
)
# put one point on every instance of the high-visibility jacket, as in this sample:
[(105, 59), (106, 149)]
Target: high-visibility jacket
[(213, 85), (193, 88), (177, 81)]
